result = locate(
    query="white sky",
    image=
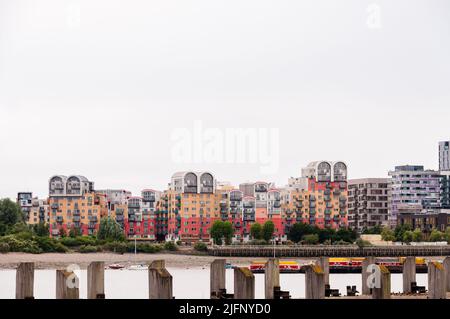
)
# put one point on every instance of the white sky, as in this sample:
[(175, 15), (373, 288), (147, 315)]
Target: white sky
[(97, 87)]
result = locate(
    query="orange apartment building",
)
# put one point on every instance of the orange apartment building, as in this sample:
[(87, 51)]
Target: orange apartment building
[(73, 203), (189, 207), (319, 197)]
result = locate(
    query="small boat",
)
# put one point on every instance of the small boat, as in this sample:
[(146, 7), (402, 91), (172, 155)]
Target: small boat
[(138, 267), (116, 266)]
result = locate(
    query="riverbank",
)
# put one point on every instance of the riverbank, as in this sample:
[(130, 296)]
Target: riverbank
[(58, 260)]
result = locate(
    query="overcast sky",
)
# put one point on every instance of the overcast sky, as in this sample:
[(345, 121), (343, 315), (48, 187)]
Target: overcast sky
[(97, 87)]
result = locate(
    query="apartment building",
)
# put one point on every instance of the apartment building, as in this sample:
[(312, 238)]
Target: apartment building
[(412, 188), (319, 197), (73, 203), (368, 203), (35, 210), (190, 206)]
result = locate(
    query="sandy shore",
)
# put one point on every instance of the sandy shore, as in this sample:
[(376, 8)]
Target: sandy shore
[(57, 260)]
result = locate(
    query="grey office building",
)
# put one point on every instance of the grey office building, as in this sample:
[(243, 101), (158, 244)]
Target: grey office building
[(367, 202)]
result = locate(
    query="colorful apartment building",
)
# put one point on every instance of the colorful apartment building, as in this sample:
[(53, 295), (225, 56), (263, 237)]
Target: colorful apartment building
[(35, 210), (319, 197), (193, 202), (189, 207), (73, 203)]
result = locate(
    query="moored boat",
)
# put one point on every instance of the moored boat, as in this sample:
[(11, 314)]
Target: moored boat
[(116, 266)]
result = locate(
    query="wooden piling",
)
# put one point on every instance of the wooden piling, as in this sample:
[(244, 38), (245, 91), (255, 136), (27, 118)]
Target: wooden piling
[(446, 264), (436, 281), (324, 263), (244, 283), (365, 275), (96, 280), (159, 281), (67, 285), (409, 273), (382, 289), (271, 277), (217, 278), (314, 282), (25, 281)]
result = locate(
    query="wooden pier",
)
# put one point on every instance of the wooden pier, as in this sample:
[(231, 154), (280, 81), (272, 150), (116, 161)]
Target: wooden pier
[(161, 281), (328, 251)]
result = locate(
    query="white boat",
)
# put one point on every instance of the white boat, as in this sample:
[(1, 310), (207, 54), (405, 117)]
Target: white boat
[(138, 267)]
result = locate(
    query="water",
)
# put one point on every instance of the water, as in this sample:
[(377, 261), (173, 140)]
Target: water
[(187, 283)]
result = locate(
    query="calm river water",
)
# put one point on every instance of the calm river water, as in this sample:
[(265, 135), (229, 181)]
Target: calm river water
[(187, 283)]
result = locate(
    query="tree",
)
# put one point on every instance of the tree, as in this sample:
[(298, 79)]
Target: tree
[(407, 236), (436, 235), (110, 230), (216, 232), (345, 234), (62, 232), (227, 232), (400, 230), (74, 232), (417, 235), (268, 230), (41, 230), (256, 231), (326, 234), (387, 234), (298, 230), (447, 235), (10, 214), (221, 230), (375, 230)]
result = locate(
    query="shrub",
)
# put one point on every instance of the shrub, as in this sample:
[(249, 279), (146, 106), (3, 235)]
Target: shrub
[(341, 243), (311, 239), (170, 245), (88, 249), (4, 248), (69, 242), (21, 245), (200, 246), (258, 242), (50, 245), (363, 243), (117, 247)]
